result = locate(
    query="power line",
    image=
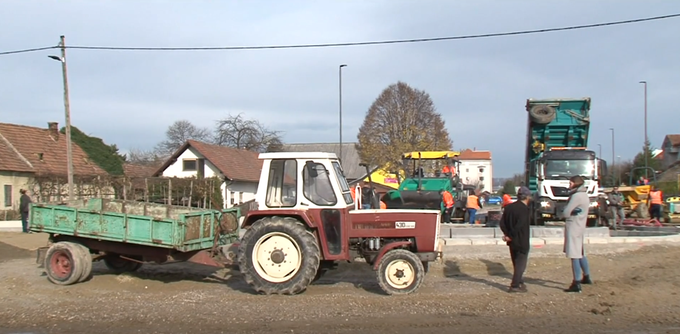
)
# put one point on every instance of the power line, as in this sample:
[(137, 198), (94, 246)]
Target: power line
[(399, 41)]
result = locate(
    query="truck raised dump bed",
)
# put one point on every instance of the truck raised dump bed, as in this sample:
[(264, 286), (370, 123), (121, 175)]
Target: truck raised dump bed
[(556, 150), (124, 234)]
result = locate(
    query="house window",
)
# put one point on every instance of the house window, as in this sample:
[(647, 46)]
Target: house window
[(467, 170), (481, 170), (8, 195), (189, 165), (481, 178), (231, 196)]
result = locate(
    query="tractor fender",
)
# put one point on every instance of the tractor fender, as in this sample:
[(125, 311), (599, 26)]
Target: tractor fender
[(253, 216), (386, 248)]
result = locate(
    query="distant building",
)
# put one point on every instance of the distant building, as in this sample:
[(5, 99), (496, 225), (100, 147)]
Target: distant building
[(238, 169), (670, 148), (476, 168)]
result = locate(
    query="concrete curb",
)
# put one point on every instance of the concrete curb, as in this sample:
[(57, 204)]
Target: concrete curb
[(10, 226), (560, 241)]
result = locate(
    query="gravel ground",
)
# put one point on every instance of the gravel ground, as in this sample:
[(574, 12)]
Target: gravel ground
[(636, 291)]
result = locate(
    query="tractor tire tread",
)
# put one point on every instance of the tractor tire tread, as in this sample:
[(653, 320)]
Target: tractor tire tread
[(542, 114), (311, 255)]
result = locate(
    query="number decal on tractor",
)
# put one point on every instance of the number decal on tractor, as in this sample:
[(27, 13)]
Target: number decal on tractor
[(402, 225)]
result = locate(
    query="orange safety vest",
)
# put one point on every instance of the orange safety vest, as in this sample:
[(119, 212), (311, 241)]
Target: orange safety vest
[(383, 205), (655, 197), (448, 199), (448, 169), (506, 200), (473, 202)]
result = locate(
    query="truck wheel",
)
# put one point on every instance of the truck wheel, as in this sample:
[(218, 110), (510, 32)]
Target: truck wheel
[(542, 114), (64, 263), (120, 265), (278, 255), (87, 262), (400, 272)]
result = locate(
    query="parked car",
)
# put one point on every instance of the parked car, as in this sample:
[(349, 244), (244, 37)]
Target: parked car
[(495, 200)]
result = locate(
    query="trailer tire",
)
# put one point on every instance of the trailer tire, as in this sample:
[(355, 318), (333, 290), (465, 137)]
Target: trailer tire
[(400, 272), (64, 263), (262, 239), (87, 263), (120, 265), (542, 114)]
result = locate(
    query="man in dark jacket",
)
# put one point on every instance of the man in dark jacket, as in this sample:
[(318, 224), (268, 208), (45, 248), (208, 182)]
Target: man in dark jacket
[(24, 202), (515, 224)]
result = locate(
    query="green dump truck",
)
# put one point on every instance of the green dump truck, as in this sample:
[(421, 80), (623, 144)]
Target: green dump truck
[(126, 234)]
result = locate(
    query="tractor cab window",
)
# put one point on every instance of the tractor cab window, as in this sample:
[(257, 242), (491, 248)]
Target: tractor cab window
[(344, 186), (317, 186), (281, 189)]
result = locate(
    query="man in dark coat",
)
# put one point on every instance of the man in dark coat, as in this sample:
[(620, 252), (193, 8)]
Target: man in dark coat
[(24, 202), (515, 224)]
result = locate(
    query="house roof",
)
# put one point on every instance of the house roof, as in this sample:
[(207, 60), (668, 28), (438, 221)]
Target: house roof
[(235, 164), (138, 171), (350, 155), (674, 139), (41, 151), (469, 154)]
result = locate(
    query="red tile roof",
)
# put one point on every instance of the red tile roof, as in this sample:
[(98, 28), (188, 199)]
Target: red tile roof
[(30, 149), (674, 139), (235, 164), (469, 154), (133, 170)]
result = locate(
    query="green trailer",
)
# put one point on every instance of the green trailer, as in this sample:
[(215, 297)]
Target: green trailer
[(126, 234)]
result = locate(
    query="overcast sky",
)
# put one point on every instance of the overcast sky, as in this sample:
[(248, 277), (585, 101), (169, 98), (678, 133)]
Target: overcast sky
[(480, 86)]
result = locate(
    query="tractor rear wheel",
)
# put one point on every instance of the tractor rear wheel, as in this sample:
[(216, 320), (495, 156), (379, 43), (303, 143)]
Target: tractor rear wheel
[(400, 272), (279, 255)]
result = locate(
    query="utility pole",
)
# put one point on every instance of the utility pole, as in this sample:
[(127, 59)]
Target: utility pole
[(340, 112), (615, 177), (67, 110), (646, 138), (600, 155)]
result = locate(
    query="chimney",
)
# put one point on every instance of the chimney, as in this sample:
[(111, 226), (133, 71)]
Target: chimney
[(53, 127)]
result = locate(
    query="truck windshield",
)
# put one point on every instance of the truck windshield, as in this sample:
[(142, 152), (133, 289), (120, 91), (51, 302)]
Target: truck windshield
[(564, 169)]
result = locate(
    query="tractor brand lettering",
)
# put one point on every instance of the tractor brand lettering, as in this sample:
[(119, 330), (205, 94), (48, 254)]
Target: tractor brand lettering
[(372, 226), (404, 224)]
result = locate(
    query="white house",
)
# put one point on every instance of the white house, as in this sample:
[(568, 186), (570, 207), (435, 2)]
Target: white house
[(476, 168), (670, 147), (239, 169)]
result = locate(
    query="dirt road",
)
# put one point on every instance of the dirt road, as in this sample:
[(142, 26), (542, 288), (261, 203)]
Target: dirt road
[(635, 292)]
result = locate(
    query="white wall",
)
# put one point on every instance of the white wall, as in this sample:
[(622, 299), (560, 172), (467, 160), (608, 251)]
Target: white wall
[(470, 172), (15, 181), (238, 192), (176, 169)]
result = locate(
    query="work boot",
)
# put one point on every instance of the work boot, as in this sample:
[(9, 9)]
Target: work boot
[(574, 287), (586, 280), (521, 288)]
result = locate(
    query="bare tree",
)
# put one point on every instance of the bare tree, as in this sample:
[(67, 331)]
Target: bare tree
[(178, 133), (144, 157), (247, 134), (400, 120)]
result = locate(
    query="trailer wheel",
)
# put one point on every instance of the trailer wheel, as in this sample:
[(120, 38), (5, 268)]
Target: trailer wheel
[(64, 263), (542, 114), (120, 265), (87, 262), (278, 255), (400, 272)]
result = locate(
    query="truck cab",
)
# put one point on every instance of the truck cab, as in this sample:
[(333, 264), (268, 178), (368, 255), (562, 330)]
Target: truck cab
[(553, 170), (306, 220)]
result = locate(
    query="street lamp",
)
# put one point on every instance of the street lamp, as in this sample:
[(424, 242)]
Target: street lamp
[(340, 112), (67, 110), (646, 139), (600, 155), (615, 176)]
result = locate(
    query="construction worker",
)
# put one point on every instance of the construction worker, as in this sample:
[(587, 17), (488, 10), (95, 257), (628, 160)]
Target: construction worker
[(449, 169), (655, 198), (383, 205), (447, 198), (615, 199), (507, 199), (473, 205)]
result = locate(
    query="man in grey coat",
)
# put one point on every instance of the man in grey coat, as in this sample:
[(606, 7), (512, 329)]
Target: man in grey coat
[(575, 214), (615, 199), (24, 202)]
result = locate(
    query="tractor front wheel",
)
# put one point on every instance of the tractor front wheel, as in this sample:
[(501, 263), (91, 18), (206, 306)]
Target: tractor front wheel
[(400, 272), (279, 255)]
